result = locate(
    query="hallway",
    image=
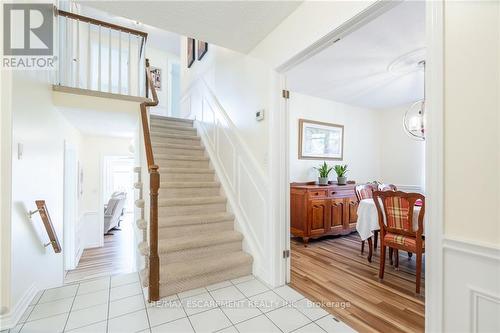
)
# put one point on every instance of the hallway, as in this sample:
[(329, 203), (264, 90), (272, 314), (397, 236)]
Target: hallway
[(117, 256)]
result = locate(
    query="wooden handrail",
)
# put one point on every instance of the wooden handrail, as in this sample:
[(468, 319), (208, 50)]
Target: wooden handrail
[(47, 222), (94, 21), (154, 187)]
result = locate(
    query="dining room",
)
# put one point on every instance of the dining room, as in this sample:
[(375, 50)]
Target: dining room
[(356, 165)]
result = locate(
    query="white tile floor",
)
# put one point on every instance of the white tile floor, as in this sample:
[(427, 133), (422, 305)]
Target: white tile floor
[(118, 304)]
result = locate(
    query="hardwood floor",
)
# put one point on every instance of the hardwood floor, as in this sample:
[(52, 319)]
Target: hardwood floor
[(333, 270), (117, 256)]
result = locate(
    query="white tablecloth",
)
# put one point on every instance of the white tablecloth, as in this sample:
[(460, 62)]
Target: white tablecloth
[(368, 218)]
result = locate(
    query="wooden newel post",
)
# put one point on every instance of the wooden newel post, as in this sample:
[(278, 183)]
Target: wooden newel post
[(154, 260)]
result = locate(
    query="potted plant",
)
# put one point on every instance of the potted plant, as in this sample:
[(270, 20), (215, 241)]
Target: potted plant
[(324, 171), (341, 170)]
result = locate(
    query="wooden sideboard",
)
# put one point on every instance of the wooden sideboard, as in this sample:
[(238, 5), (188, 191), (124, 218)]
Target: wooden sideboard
[(322, 210)]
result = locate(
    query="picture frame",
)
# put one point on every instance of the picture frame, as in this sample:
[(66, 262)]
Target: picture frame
[(202, 49), (156, 77), (320, 141), (190, 51)]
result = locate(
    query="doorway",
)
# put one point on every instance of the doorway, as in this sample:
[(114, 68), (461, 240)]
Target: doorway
[(117, 255), (336, 260)]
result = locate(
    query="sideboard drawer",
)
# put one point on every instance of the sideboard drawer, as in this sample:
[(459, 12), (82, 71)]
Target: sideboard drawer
[(317, 193)]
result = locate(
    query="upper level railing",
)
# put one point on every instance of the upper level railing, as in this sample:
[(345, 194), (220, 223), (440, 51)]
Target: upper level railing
[(47, 223), (100, 56)]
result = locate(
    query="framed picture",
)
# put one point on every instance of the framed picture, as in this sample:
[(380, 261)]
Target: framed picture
[(190, 51), (202, 49), (156, 76), (320, 141)]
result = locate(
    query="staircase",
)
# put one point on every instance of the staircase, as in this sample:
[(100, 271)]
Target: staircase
[(197, 243)]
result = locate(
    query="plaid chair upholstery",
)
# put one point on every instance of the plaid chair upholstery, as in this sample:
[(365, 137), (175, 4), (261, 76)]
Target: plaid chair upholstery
[(396, 239), (397, 232), (397, 210)]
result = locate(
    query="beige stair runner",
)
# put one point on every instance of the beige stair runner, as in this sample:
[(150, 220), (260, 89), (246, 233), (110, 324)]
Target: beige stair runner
[(198, 245)]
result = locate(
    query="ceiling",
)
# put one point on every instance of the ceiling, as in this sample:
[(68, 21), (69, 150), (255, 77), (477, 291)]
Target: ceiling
[(157, 38), (237, 25), (372, 67)]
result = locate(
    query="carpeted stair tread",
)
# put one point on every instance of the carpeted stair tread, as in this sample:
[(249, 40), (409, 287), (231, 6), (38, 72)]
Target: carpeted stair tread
[(197, 241), (188, 170), (176, 185), (159, 135), (176, 146), (156, 126), (181, 120), (186, 270), (161, 156), (173, 221), (191, 201)]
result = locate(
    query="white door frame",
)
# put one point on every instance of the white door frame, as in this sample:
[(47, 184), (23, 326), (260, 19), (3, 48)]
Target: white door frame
[(70, 198), (434, 152)]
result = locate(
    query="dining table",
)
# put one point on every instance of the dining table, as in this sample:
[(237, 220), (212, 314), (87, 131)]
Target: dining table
[(367, 222)]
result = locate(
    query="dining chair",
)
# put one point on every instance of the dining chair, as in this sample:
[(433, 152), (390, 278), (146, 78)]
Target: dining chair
[(399, 233), (365, 191)]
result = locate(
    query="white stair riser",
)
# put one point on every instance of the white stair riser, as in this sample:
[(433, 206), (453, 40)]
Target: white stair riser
[(203, 252), (177, 231), (191, 210), (169, 193), (165, 164), (187, 177), (177, 141), (178, 151), (170, 288), (163, 122)]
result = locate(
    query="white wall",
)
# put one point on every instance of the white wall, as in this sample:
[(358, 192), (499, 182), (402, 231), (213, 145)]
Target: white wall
[(402, 159), (243, 85), (361, 138), (161, 59), (37, 175), (471, 254)]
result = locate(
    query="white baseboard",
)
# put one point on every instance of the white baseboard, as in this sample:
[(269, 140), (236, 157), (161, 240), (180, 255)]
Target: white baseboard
[(471, 284), (11, 318)]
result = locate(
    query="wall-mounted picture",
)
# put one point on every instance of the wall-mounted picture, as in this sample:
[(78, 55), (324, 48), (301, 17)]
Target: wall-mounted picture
[(156, 76), (320, 141), (202, 49), (190, 51)]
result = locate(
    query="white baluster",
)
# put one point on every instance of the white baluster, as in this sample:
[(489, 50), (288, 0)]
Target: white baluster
[(129, 69), (89, 58), (99, 63), (119, 61), (109, 62), (77, 83)]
